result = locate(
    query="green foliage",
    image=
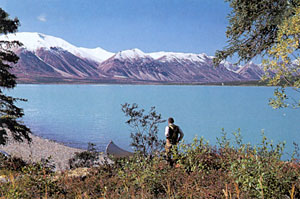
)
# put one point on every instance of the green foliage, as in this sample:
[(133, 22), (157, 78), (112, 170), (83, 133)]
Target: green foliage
[(87, 158), (9, 112), (283, 61), (257, 170), (144, 126), (37, 178), (231, 169), (270, 29), (253, 27), (32, 180), (13, 163)]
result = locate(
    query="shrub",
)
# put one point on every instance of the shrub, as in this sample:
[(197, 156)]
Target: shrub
[(11, 163), (87, 158), (229, 170), (144, 126)]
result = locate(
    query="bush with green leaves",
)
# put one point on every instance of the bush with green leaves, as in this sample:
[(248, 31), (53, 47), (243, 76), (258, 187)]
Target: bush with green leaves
[(31, 180), (144, 127), (258, 171), (231, 169), (13, 163), (87, 158)]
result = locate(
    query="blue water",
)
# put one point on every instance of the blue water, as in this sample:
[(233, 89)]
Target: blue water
[(78, 114)]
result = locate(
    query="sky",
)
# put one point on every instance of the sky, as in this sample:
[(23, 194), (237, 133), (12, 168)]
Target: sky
[(191, 26)]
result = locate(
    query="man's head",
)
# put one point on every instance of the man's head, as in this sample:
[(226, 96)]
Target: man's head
[(171, 120)]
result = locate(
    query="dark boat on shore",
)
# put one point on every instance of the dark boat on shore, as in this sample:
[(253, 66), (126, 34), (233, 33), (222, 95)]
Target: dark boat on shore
[(4, 153), (114, 150)]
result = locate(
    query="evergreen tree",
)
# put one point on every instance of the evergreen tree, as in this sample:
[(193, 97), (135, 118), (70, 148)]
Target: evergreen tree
[(10, 114)]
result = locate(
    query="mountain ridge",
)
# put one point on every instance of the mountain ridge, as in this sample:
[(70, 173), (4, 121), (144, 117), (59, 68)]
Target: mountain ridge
[(43, 56)]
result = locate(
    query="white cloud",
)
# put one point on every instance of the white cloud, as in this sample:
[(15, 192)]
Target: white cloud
[(42, 18)]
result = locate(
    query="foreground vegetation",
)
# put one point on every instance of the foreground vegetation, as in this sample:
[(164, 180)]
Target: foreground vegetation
[(229, 170)]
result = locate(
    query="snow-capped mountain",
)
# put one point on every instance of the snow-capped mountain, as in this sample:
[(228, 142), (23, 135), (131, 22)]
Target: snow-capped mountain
[(230, 66), (133, 54), (166, 66), (251, 71), (48, 58), (35, 41), (171, 56)]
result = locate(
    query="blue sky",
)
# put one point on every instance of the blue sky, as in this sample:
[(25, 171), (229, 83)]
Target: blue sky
[(195, 26)]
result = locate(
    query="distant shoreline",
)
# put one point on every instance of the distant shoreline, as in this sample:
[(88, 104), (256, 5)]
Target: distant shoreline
[(97, 82)]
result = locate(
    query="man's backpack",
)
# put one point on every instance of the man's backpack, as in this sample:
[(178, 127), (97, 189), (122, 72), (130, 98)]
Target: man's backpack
[(173, 133)]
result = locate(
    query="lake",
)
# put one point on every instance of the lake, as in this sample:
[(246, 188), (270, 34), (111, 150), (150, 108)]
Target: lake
[(78, 114)]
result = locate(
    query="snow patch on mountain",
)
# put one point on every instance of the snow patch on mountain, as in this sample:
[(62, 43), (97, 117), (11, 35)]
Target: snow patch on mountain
[(97, 54), (131, 54), (35, 41), (231, 67), (157, 55), (32, 41), (173, 56)]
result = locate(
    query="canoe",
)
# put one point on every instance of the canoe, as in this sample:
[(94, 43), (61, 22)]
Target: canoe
[(4, 153), (114, 150)]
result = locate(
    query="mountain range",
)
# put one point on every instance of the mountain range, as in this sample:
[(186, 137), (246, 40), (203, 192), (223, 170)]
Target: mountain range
[(45, 58)]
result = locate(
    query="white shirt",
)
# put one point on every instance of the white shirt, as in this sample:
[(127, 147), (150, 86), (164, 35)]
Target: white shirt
[(167, 132)]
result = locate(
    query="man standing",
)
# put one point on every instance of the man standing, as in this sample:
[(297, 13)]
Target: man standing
[(173, 135)]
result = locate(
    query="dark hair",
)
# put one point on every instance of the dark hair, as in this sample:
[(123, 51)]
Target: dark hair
[(171, 120)]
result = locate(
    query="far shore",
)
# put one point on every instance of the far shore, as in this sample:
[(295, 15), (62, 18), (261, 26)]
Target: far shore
[(95, 82)]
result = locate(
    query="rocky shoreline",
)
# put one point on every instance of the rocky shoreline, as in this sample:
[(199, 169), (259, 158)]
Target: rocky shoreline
[(41, 148)]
